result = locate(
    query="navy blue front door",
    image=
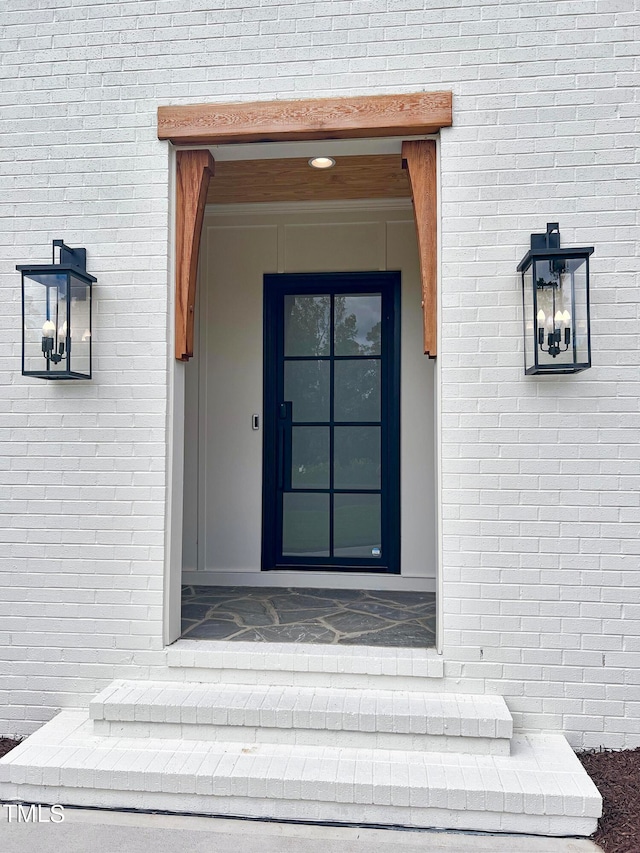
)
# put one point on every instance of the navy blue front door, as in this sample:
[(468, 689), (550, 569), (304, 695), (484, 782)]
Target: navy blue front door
[(331, 422)]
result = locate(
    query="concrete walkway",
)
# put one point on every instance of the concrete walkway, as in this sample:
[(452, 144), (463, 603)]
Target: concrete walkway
[(117, 832)]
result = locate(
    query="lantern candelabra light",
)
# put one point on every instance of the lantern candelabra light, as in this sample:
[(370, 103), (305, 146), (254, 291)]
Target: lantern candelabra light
[(56, 316), (555, 294)]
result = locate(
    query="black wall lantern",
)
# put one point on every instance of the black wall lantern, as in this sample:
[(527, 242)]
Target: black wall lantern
[(56, 316), (555, 299)]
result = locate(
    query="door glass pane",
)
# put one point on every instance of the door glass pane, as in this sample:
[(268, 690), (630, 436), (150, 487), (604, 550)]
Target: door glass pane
[(306, 385), (357, 390), (357, 458), (356, 520), (307, 325), (357, 324), (305, 525), (310, 458)]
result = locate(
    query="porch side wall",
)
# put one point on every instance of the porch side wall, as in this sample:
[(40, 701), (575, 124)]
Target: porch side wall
[(540, 477)]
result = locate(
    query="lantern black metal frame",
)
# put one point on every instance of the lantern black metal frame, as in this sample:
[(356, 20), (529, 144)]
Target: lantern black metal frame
[(72, 263), (554, 342)]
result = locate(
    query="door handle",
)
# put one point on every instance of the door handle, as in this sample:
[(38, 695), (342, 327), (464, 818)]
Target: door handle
[(285, 417), (280, 456)]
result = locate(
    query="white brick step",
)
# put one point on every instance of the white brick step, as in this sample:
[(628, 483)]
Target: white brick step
[(540, 788), (333, 716), (312, 664)]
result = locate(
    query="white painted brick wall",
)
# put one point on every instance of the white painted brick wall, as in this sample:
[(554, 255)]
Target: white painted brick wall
[(541, 477)]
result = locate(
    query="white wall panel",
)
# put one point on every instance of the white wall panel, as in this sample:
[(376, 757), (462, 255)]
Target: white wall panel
[(231, 384), (332, 246)]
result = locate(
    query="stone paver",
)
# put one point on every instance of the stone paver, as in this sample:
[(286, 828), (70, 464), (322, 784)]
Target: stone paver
[(342, 617)]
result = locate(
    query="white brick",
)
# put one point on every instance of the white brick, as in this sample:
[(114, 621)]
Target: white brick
[(535, 137)]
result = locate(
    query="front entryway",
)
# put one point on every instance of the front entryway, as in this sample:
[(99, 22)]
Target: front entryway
[(331, 430)]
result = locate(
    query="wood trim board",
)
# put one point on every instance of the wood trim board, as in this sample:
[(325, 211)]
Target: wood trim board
[(408, 114)]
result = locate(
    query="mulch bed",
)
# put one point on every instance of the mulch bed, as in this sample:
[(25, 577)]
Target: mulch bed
[(6, 744), (617, 777)]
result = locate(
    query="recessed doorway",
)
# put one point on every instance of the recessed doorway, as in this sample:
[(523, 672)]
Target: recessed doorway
[(394, 124), (225, 461)]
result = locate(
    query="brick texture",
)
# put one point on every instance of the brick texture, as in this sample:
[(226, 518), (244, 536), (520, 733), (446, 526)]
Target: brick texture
[(540, 477)]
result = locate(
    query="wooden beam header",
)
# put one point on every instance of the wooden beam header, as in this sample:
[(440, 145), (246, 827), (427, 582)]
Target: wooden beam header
[(329, 118)]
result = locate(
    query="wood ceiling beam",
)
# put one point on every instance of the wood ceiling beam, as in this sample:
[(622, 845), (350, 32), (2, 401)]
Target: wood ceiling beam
[(328, 118), (419, 158), (193, 172)]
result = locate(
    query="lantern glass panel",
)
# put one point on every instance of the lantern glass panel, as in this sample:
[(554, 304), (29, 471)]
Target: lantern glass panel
[(529, 312), (80, 326), (45, 322), (577, 269), (57, 325), (554, 313)]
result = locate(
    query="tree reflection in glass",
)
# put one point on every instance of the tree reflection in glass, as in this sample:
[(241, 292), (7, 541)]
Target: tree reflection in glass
[(307, 325), (357, 324)]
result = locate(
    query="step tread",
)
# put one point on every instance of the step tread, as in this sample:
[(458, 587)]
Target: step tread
[(305, 658), (334, 708), (541, 777)]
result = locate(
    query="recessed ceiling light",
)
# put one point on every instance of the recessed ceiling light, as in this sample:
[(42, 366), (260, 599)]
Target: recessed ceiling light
[(322, 162)]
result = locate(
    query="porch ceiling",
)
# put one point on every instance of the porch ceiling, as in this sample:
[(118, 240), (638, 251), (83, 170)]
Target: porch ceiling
[(292, 179)]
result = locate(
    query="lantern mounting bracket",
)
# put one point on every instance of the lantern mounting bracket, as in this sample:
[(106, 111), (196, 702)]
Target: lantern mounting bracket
[(68, 256), (549, 240)]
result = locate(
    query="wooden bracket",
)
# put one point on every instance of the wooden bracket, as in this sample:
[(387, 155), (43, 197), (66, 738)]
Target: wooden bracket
[(193, 172), (419, 158)]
